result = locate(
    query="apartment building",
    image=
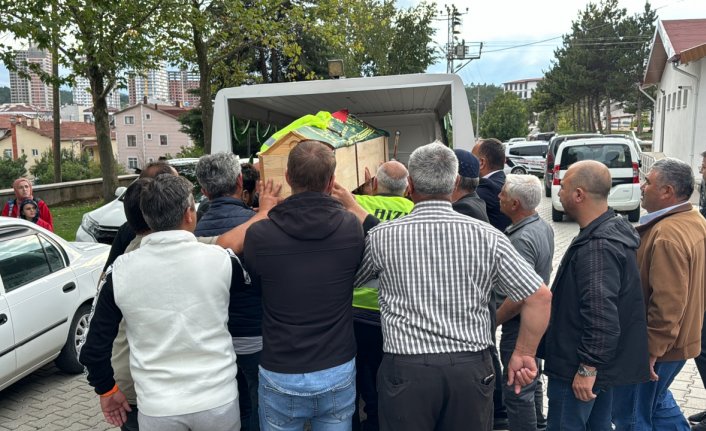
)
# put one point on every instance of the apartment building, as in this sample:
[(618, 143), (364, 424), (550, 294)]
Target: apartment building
[(522, 88), (182, 85), (152, 84), (31, 91)]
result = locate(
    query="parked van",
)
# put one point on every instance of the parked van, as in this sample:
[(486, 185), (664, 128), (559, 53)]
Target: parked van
[(551, 154), (621, 158), (411, 107)]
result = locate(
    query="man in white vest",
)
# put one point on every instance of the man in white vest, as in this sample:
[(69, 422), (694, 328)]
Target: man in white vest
[(173, 293)]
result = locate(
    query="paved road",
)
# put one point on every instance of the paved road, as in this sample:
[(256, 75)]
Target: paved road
[(52, 400)]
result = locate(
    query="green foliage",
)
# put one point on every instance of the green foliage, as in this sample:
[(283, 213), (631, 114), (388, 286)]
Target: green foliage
[(73, 167), (480, 96), (505, 118), (600, 60), (192, 125), (188, 152), (10, 170), (66, 97)]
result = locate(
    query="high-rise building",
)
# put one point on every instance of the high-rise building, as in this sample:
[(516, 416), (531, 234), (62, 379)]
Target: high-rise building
[(180, 82), (31, 91), (82, 94), (152, 84)]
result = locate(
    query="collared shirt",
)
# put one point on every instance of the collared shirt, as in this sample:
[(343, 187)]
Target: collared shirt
[(653, 215), (437, 269), (491, 173)]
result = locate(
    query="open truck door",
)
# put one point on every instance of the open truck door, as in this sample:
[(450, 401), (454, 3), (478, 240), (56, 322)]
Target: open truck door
[(412, 109)]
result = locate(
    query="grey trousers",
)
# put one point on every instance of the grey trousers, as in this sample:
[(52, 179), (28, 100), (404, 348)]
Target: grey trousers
[(223, 418)]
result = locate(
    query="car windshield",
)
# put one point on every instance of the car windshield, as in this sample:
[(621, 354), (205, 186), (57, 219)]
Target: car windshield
[(612, 155)]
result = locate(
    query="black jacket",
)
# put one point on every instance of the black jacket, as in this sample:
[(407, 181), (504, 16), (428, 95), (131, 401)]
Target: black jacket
[(488, 190), (471, 205), (245, 307), (304, 258), (598, 315)]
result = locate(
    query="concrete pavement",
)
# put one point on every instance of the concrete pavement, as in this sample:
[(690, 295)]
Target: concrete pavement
[(52, 400)]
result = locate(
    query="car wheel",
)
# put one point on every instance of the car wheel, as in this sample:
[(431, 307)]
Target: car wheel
[(634, 215), (518, 170), (67, 360), (557, 215)]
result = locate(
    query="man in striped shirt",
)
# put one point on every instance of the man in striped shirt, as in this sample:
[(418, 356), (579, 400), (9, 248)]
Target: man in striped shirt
[(436, 270)]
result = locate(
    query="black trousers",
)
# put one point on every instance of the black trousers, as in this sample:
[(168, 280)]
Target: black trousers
[(368, 340), (701, 359), (436, 392)]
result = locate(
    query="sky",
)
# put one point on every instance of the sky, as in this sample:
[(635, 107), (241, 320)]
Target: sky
[(504, 25)]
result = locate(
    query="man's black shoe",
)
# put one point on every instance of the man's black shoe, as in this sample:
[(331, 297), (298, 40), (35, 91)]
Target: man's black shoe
[(698, 417), (701, 426)]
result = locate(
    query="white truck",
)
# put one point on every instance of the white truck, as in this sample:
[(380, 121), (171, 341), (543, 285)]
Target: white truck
[(414, 105)]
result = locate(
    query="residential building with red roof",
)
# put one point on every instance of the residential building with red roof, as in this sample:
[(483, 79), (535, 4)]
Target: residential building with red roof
[(146, 132), (677, 68)]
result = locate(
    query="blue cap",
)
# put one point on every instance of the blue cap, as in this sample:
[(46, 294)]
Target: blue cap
[(468, 165)]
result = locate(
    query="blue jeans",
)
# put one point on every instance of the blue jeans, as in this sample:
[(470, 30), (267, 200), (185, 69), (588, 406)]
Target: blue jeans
[(567, 413), (325, 398), (650, 406)]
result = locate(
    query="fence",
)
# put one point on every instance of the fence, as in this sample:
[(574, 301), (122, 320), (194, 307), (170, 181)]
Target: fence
[(69, 191)]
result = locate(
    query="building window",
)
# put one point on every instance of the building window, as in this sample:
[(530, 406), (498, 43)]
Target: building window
[(669, 102), (148, 116), (35, 152), (163, 140), (131, 141), (132, 162), (129, 119), (686, 92), (524, 94), (7, 154), (149, 136)]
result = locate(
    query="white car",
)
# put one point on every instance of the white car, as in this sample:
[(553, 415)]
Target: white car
[(528, 157), (47, 287), (102, 224), (621, 158)]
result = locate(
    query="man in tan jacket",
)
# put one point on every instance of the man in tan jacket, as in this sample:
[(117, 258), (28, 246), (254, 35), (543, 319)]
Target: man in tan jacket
[(672, 260)]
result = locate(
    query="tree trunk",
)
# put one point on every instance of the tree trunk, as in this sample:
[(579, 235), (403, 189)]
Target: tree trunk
[(608, 118), (262, 60), (597, 110), (274, 64), (105, 149), (574, 122), (579, 116), (638, 112), (56, 113), (205, 93)]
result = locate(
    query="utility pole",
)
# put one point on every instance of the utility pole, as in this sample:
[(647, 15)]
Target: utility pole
[(455, 49), (477, 110)]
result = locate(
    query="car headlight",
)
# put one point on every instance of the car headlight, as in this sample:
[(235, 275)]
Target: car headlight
[(89, 225)]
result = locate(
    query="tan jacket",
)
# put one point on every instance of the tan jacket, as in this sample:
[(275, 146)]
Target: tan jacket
[(672, 261)]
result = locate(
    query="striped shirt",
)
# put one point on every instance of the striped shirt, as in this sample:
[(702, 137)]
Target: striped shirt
[(436, 269)]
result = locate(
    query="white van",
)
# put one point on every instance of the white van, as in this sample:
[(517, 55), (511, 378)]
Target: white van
[(621, 158), (526, 157), (414, 105)]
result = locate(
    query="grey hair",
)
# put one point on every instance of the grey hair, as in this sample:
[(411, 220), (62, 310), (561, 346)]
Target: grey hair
[(468, 184), (673, 172), (164, 200), (395, 186), (218, 174), (525, 188), (433, 169)]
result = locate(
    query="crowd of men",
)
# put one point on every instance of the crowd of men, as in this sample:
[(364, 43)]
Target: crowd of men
[(295, 313)]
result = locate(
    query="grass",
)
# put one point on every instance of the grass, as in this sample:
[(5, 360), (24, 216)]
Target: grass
[(67, 217)]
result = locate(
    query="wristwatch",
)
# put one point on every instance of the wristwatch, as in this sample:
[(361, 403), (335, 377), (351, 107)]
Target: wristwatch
[(585, 372)]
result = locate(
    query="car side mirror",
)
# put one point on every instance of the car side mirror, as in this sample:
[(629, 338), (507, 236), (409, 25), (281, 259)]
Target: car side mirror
[(119, 191)]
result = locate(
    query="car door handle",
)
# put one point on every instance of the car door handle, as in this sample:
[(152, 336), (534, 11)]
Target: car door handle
[(69, 287), (3, 319)]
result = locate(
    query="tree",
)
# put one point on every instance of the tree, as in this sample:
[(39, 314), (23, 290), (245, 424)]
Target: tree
[(479, 98), (102, 40), (10, 170), (411, 50), (4, 95), (192, 124), (505, 118)]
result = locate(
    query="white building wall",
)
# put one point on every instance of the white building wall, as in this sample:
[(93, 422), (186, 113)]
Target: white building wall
[(82, 94), (680, 131)]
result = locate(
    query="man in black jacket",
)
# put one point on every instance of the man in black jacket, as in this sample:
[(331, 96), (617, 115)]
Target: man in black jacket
[(597, 335), (304, 259), (491, 156), (221, 181)]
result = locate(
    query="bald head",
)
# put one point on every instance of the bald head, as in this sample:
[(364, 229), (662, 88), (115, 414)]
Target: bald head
[(591, 176), (391, 177)]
